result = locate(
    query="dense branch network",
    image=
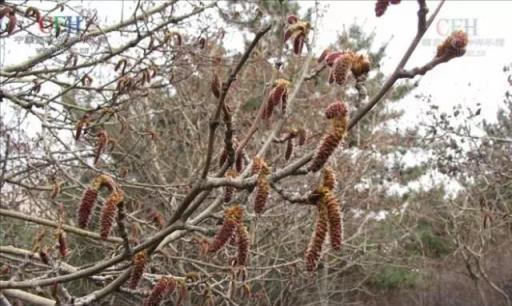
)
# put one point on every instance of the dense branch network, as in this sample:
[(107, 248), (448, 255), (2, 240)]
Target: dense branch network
[(240, 176)]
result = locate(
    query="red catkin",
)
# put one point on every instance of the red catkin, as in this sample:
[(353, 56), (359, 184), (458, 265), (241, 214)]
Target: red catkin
[(298, 43), (298, 30), (243, 245), (109, 213), (314, 249), (140, 261), (340, 69), (338, 113), (161, 290), (335, 109), (262, 193), (324, 151), (223, 157), (277, 95), (239, 162), (232, 217), (86, 206), (335, 220), (262, 185)]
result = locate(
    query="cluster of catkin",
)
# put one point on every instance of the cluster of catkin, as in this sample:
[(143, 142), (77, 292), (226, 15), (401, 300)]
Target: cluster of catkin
[(102, 138), (260, 167), (161, 290), (344, 62), (278, 95), (337, 112), (329, 220), (109, 210), (297, 30), (232, 229)]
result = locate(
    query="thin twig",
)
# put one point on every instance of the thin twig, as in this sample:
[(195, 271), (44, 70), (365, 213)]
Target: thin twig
[(214, 123)]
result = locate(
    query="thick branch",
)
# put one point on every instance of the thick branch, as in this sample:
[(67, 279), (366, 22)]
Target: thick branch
[(409, 74), (289, 197), (67, 228), (29, 298)]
